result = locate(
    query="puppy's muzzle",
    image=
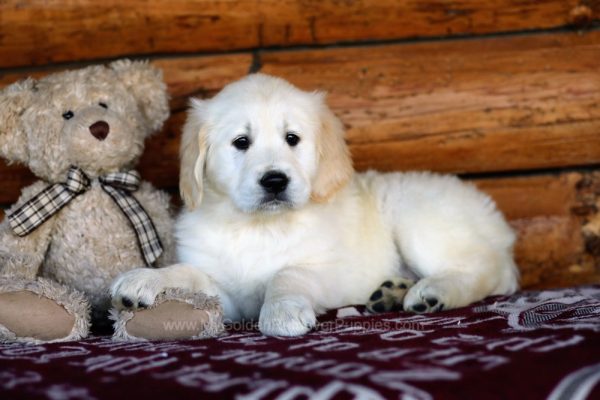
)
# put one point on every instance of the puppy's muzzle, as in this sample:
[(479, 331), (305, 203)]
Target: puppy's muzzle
[(274, 182)]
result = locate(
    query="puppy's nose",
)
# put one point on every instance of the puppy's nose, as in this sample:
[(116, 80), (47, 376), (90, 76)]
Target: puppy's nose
[(100, 130), (274, 182)]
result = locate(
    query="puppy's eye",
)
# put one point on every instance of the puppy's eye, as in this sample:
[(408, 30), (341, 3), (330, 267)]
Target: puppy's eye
[(68, 115), (292, 139), (241, 143), (103, 105)]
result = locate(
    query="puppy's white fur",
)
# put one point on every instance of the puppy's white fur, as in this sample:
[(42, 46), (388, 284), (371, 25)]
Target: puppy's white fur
[(334, 238)]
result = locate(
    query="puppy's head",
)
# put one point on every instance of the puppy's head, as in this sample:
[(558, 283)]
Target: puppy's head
[(264, 144)]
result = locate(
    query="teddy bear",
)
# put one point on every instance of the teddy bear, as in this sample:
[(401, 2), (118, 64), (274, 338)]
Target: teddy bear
[(89, 217)]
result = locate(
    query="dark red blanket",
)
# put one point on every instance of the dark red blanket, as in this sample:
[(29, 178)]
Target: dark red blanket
[(533, 345)]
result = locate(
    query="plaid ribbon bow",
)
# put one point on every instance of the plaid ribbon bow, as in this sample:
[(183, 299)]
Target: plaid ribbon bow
[(117, 185)]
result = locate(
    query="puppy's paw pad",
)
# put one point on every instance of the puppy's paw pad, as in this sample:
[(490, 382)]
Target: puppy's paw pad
[(389, 296), (126, 301), (431, 301), (286, 317), (427, 307), (377, 307), (431, 304), (135, 289), (419, 308), (141, 304), (378, 294), (425, 297)]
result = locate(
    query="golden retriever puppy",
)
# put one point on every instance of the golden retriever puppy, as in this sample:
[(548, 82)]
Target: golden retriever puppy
[(280, 227)]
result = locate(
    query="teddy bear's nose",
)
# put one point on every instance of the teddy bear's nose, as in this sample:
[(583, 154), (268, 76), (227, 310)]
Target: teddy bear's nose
[(100, 130)]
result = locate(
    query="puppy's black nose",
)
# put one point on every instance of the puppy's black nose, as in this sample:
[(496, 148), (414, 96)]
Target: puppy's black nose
[(100, 130), (274, 182)]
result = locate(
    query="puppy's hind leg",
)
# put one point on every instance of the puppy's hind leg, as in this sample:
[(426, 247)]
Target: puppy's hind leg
[(461, 283), (451, 236)]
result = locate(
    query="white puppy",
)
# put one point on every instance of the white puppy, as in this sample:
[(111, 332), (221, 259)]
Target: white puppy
[(279, 226)]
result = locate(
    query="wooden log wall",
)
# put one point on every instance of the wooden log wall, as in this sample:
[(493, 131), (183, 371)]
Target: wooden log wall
[(503, 92)]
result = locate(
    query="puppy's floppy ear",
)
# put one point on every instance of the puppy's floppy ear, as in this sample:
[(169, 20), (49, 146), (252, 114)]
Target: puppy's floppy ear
[(14, 100), (335, 164), (193, 155), (147, 85)]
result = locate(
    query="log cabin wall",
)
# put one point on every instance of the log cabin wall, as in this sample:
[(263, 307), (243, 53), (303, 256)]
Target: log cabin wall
[(505, 93)]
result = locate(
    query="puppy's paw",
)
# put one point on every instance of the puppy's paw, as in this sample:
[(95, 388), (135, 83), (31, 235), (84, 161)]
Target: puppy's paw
[(428, 295), (289, 316), (390, 295), (135, 289)]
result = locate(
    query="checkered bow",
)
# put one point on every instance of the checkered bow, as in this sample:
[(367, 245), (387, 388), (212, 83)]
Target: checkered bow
[(117, 185)]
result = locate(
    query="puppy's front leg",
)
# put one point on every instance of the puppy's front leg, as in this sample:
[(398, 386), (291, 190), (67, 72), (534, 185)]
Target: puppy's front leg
[(138, 288), (289, 306)]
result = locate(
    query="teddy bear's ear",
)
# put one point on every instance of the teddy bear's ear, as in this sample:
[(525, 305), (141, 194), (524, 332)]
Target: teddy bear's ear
[(14, 100), (147, 85)]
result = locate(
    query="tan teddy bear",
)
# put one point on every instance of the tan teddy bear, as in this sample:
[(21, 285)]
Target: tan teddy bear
[(88, 218)]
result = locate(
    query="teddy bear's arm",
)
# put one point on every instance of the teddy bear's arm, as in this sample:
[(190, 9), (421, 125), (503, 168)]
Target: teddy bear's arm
[(22, 256), (158, 205)]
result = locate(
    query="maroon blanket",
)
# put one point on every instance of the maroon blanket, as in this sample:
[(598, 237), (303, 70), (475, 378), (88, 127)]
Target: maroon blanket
[(534, 345)]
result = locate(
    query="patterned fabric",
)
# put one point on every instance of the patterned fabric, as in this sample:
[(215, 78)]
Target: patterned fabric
[(532, 345), (117, 185), (44, 205)]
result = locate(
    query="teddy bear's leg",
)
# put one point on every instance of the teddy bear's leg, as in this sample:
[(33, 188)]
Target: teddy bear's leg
[(176, 314), (37, 311)]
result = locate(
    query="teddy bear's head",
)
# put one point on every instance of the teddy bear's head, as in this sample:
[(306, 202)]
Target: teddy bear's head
[(95, 118)]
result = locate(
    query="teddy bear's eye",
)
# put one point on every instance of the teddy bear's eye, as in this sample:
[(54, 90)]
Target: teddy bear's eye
[(103, 105), (68, 115)]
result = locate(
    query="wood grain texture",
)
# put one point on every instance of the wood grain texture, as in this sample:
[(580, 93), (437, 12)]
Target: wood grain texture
[(551, 215), (464, 106), (39, 32)]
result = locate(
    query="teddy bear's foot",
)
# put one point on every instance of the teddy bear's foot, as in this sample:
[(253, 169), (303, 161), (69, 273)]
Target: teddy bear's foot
[(176, 314), (41, 311)]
